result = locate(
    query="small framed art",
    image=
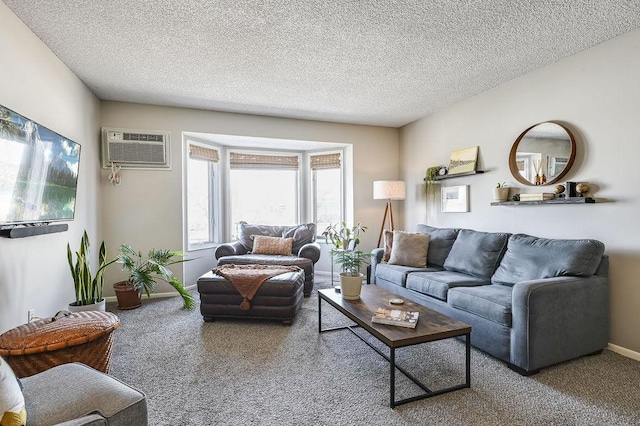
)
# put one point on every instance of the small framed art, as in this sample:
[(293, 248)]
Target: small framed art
[(455, 199)]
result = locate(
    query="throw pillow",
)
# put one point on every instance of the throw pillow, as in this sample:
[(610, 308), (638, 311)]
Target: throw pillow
[(272, 245), (388, 244), (409, 249), (12, 409)]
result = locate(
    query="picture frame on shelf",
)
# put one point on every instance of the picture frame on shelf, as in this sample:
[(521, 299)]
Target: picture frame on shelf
[(463, 160), (455, 199)]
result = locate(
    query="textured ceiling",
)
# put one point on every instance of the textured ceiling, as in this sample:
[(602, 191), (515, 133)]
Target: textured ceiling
[(370, 62)]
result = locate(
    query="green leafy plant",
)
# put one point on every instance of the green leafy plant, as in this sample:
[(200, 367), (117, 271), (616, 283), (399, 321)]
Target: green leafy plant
[(501, 185), (340, 235), (144, 271), (430, 175), (350, 261), (88, 288)]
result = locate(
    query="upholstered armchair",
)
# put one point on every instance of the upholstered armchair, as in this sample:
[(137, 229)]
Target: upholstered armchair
[(274, 245)]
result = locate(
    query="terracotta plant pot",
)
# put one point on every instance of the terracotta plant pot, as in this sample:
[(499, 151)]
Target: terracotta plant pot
[(128, 296)]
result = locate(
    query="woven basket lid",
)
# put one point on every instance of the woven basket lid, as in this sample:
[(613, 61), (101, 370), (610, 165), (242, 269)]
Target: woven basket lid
[(64, 330)]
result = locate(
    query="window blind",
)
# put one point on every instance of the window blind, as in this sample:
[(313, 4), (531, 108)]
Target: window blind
[(197, 152), (325, 161), (239, 160)]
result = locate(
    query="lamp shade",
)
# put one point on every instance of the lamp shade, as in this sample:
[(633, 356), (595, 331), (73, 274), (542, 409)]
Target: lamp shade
[(389, 190)]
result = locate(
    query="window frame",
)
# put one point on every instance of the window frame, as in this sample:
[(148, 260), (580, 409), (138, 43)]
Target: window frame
[(214, 196)]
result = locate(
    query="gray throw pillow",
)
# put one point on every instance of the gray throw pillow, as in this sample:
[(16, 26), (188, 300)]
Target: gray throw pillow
[(409, 249)]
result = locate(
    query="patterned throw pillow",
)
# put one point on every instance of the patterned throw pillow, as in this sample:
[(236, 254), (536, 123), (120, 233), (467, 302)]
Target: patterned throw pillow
[(388, 244), (12, 409), (272, 245), (409, 249)]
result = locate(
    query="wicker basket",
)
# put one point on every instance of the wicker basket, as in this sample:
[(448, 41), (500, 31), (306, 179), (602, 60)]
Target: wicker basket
[(67, 337)]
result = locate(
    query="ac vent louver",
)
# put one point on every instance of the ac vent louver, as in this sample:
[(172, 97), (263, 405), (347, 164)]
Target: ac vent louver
[(136, 149)]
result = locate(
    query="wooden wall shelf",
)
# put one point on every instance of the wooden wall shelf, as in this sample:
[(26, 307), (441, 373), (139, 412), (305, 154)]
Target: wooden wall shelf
[(459, 175), (572, 200)]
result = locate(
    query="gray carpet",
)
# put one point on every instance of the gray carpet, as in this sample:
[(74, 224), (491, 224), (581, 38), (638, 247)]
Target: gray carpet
[(253, 372)]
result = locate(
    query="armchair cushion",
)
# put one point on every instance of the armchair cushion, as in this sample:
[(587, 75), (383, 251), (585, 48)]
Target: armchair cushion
[(301, 234), (272, 245)]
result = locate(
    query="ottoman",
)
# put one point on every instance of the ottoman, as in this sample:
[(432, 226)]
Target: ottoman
[(67, 337), (269, 259), (278, 298)]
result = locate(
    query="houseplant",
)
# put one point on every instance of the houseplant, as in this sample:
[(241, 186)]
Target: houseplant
[(432, 187), (88, 288), (501, 192), (342, 236), (350, 261), (144, 271)]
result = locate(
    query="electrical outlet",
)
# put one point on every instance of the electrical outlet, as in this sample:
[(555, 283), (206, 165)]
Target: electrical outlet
[(31, 314)]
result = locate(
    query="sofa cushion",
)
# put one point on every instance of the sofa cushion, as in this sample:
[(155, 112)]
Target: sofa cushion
[(440, 242), (492, 302), (397, 274), (476, 253), (272, 245), (71, 391), (437, 284), (531, 258), (12, 407), (409, 249)]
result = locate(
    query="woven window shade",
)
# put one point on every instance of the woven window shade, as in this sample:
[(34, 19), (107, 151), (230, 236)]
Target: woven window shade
[(254, 161), (325, 161), (197, 152)]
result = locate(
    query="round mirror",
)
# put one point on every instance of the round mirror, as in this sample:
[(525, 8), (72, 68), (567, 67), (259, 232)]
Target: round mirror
[(542, 154)]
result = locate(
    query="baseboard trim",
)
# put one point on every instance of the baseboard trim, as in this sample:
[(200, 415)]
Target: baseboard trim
[(624, 351), (153, 295)]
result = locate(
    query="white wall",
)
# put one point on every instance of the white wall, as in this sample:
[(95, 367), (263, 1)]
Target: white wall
[(33, 82), (147, 209), (597, 92)]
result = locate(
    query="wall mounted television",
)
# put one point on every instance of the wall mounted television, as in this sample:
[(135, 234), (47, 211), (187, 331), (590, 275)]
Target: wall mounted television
[(38, 173)]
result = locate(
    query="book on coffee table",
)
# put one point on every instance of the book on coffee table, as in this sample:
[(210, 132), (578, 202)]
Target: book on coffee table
[(396, 317)]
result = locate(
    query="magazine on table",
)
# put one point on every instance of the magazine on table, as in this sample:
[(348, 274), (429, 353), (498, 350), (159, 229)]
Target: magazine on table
[(396, 317)]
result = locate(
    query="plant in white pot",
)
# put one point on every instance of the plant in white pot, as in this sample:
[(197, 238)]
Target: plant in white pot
[(351, 262), (501, 192), (144, 271), (88, 288), (342, 236)]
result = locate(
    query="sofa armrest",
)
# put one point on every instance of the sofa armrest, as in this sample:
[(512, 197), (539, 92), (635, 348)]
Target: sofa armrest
[(229, 249), (557, 319), (310, 251), (90, 420), (375, 260)]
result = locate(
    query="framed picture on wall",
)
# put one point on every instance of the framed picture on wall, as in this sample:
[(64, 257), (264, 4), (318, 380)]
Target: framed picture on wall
[(455, 199)]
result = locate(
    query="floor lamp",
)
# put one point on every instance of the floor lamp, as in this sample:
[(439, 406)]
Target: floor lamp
[(388, 190)]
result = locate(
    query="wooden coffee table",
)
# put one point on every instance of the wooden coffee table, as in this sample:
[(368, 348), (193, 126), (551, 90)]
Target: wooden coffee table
[(432, 326)]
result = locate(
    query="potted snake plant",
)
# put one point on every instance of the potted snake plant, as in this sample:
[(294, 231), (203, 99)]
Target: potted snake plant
[(88, 287), (144, 271)]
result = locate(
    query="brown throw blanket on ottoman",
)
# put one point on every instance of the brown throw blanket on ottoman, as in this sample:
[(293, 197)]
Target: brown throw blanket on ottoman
[(247, 279)]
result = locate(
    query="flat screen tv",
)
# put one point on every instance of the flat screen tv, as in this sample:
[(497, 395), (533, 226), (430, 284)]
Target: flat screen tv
[(38, 173)]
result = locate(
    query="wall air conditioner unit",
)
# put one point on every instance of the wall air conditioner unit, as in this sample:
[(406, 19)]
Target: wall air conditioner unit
[(136, 149)]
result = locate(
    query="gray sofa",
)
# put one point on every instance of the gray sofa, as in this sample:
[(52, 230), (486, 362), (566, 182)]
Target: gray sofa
[(531, 302), (305, 252), (74, 394)]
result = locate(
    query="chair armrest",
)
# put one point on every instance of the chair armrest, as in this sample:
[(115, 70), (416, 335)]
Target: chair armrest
[(229, 249), (375, 260), (557, 319), (310, 251), (90, 420)]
